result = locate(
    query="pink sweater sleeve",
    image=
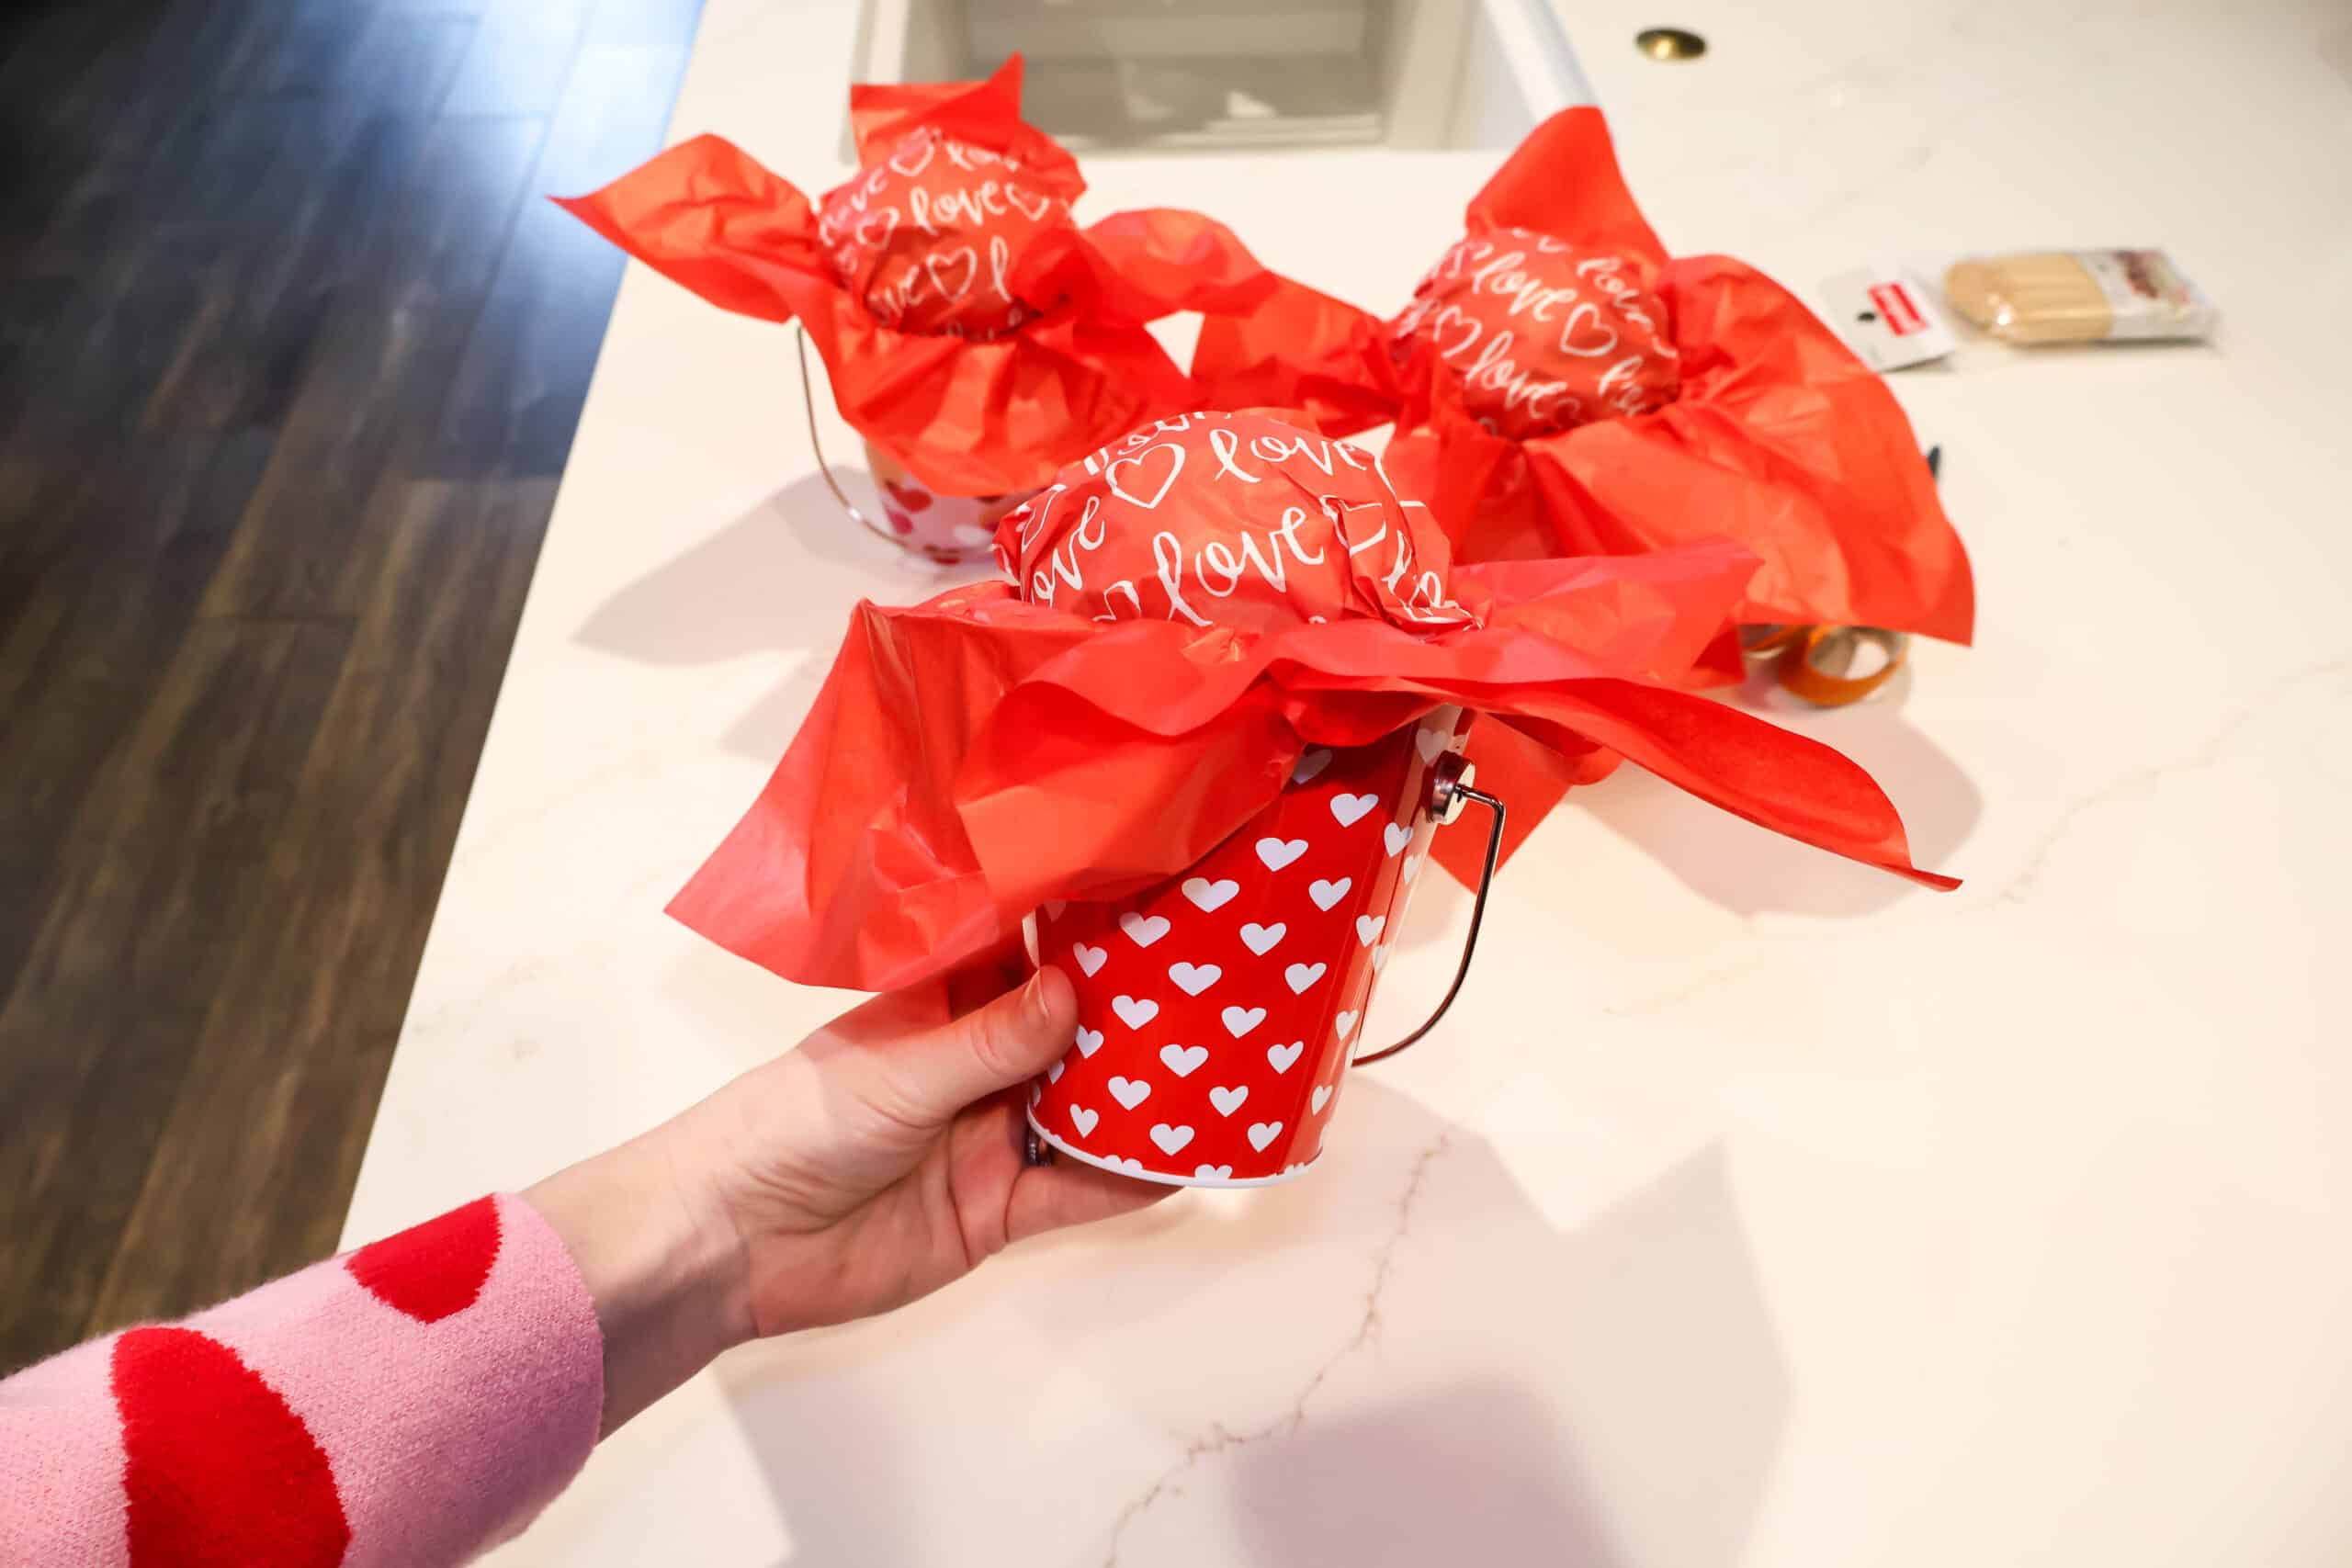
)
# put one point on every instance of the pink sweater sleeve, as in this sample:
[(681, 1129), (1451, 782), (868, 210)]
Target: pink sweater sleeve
[(413, 1402)]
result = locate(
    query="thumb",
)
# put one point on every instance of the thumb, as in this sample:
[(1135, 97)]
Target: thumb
[(1009, 1042)]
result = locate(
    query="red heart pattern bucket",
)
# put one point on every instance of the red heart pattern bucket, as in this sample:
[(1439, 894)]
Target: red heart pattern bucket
[(949, 529), (1218, 1010)]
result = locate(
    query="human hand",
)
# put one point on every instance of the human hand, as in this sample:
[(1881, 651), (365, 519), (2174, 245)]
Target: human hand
[(877, 1162)]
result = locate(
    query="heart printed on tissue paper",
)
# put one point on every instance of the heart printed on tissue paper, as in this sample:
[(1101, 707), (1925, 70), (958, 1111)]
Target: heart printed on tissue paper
[(1247, 994), (1241, 521), (1536, 335), (933, 235)]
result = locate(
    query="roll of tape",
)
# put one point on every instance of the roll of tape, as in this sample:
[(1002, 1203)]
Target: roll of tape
[(1814, 666)]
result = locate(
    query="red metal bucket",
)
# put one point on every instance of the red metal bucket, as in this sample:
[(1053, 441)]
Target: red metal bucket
[(1217, 1010)]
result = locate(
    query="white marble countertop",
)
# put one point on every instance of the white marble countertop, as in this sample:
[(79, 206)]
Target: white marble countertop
[(1753, 1209)]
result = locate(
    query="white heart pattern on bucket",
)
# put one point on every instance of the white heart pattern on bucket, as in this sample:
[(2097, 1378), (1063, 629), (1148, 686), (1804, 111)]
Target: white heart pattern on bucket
[(1208, 896), (1183, 1060), (1238, 983), (1278, 853), (1194, 978)]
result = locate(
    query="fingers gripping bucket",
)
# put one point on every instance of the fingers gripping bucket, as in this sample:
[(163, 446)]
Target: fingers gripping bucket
[(949, 529), (1218, 1010)]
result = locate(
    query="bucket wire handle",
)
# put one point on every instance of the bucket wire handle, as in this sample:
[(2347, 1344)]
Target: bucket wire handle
[(1450, 790), (816, 442)]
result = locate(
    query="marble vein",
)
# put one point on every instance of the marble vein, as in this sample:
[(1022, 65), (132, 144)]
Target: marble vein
[(2215, 747), (2020, 885), (1221, 1438)]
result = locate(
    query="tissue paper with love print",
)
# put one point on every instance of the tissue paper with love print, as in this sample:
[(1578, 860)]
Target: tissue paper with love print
[(1233, 519), (972, 330), (1560, 387), (972, 757)]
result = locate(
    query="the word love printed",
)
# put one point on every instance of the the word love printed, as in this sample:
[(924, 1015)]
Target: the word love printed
[(1484, 293), (948, 277), (1607, 274), (1364, 525), (1484, 361), (846, 211), (1140, 472), (1500, 272), (973, 206)]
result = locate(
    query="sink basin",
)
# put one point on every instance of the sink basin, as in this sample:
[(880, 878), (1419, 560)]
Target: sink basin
[(1190, 76)]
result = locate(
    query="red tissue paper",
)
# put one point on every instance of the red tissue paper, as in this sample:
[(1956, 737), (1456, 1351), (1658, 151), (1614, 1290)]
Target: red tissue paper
[(1561, 386), (1190, 608), (972, 330)]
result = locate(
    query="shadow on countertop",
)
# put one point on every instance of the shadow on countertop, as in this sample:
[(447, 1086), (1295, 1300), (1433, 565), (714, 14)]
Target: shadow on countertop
[(1745, 869), (780, 578), (1505, 1391)]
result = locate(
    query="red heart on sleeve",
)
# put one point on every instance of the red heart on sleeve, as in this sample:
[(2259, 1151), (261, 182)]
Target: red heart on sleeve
[(436, 1269), (218, 1469)]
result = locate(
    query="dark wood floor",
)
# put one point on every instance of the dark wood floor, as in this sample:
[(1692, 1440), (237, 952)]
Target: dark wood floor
[(290, 357)]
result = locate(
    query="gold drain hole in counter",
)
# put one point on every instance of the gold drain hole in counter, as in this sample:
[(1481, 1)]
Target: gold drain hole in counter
[(1670, 43)]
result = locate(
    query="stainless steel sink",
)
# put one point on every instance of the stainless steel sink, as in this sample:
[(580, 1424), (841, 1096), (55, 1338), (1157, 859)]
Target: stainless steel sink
[(1200, 75)]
